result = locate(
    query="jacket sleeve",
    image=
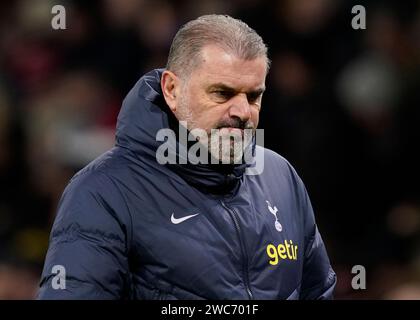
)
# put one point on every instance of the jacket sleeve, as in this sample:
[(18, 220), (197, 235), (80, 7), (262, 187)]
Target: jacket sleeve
[(318, 279), (87, 254)]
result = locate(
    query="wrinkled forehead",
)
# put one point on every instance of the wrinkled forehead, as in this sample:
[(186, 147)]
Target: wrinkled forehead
[(217, 65)]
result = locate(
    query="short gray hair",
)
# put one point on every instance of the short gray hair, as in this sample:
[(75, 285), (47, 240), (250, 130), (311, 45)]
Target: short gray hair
[(233, 35)]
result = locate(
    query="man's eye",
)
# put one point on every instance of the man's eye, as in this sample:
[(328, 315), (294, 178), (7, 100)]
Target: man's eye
[(223, 94), (254, 97)]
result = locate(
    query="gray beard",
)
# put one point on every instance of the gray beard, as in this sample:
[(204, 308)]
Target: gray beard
[(226, 148)]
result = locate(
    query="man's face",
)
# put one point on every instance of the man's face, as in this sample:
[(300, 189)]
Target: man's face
[(223, 92)]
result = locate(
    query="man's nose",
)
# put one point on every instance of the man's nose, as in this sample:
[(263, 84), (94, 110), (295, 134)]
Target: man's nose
[(240, 107)]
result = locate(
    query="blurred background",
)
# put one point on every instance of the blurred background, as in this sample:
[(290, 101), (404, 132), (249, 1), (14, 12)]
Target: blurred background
[(342, 105)]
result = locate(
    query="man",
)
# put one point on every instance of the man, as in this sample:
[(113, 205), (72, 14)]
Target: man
[(133, 225)]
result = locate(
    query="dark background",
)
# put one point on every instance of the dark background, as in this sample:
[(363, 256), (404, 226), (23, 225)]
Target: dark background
[(342, 105)]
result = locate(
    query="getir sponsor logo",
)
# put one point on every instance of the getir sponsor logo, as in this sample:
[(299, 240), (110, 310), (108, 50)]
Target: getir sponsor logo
[(286, 251)]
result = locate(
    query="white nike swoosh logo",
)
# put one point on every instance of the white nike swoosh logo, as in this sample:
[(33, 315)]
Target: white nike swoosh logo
[(179, 220)]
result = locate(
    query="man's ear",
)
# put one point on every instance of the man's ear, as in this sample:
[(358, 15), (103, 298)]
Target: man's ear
[(170, 85)]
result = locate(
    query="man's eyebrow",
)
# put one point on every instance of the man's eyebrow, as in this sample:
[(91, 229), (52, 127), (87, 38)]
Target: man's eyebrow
[(221, 86), (258, 91), (224, 87)]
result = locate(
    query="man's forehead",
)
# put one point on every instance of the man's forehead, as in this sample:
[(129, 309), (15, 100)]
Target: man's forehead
[(218, 66)]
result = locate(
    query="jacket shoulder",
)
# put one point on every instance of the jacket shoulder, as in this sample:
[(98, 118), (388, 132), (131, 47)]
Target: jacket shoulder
[(92, 203), (274, 163)]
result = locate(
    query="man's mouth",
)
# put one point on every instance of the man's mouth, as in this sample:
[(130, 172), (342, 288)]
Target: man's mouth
[(232, 132), (233, 129)]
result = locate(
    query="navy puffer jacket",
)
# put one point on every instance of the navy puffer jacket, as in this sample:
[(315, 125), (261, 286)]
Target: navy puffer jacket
[(128, 227)]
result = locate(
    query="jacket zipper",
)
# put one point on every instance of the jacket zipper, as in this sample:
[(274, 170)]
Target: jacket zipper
[(234, 216)]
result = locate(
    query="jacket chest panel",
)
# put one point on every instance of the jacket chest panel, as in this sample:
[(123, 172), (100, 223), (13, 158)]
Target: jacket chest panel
[(201, 242)]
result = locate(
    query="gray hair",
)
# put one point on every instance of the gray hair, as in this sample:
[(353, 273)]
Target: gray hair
[(233, 35)]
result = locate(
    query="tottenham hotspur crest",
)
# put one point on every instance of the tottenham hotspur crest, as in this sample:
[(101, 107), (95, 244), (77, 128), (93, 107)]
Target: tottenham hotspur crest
[(274, 210)]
